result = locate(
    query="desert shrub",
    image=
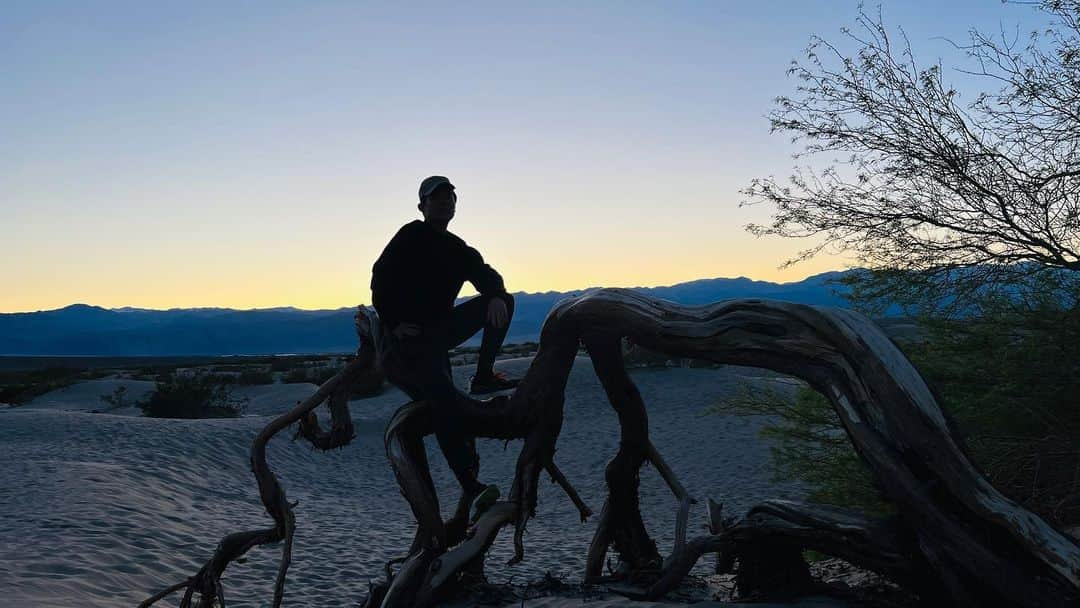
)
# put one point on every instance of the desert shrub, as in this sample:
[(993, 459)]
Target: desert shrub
[(314, 375), (984, 250), (116, 399), (370, 384), (808, 444), (222, 378), (297, 375), (255, 376), (155, 373), (1010, 380), (18, 387), (322, 374), (198, 395), (286, 364)]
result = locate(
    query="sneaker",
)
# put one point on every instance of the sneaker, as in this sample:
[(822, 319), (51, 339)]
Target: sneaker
[(495, 382), (483, 501)]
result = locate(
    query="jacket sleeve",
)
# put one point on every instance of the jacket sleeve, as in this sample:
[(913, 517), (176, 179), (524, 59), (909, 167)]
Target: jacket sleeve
[(386, 284), (481, 275)]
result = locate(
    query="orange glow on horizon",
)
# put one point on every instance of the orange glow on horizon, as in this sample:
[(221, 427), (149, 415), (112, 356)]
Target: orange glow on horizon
[(322, 287)]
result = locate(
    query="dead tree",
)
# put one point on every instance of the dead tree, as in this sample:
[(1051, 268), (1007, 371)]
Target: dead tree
[(955, 538)]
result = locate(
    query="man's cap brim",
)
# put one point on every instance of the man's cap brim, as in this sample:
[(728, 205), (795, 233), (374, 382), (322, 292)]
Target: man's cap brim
[(430, 184)]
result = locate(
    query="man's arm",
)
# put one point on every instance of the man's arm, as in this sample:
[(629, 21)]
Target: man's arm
[(480, 274)]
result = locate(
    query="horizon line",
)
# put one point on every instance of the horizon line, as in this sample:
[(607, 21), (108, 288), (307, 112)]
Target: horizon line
[(287, 306)]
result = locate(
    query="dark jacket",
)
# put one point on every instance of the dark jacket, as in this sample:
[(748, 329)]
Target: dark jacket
[(420, 273)]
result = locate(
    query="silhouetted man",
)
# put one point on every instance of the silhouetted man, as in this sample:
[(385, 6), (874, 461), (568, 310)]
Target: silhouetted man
[(414, 284)]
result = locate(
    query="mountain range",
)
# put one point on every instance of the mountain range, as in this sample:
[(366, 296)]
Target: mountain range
[(85, 330)]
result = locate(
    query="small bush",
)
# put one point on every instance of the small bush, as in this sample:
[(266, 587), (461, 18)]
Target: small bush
[(255, 376), (296, 376), (116, 399), (285, 364), (19, 387), (314, 375), (223, 378), (194, 396), (1008, 378), (809, 444), (322, 374)]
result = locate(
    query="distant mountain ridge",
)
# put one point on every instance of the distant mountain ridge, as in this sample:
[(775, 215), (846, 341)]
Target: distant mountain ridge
[(86, 330)]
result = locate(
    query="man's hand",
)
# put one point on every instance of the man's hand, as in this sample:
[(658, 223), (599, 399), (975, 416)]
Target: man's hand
[(406, 329), (496, 313)]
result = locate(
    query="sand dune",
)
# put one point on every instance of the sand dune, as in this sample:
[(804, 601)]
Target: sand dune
[(86, 396)]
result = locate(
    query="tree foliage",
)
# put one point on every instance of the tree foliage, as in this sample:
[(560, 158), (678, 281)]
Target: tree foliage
[(965, 214), (969, 196)]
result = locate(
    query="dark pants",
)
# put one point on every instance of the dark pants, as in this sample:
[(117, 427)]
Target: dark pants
[(420, 366)]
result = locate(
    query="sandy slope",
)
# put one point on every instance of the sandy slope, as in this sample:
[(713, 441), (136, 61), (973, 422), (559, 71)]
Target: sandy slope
[(86, 396)]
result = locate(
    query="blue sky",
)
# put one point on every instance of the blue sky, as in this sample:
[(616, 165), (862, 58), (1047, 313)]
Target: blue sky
[(253, 154)]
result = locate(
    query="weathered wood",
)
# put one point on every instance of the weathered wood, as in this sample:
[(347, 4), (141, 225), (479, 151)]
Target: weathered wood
[(207, 582), (627, 530), (716, 525), (684, 498), (955, 534), (557, 477), (965, 527)]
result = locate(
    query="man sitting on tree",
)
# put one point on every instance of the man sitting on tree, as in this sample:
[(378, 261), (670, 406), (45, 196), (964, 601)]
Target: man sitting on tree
[(414, 284)]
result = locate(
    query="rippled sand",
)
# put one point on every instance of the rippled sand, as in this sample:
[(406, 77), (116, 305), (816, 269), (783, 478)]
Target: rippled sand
[(105, 509)]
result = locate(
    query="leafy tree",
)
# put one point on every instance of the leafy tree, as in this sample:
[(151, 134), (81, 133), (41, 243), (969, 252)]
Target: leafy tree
[(966, 215), (945, 200)]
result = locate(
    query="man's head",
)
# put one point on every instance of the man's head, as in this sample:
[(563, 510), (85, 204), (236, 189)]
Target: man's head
[(437, 199)]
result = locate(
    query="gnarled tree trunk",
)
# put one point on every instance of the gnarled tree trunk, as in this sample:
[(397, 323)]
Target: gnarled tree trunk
[(954, 535)]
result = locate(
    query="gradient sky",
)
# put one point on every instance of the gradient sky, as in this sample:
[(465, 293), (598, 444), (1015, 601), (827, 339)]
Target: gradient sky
[(255, 154)]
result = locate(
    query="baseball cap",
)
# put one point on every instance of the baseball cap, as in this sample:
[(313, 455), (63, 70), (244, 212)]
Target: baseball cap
[(429, 184)]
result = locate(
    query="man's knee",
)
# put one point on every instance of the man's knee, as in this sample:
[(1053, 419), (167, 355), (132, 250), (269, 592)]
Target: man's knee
[(508, 299)]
